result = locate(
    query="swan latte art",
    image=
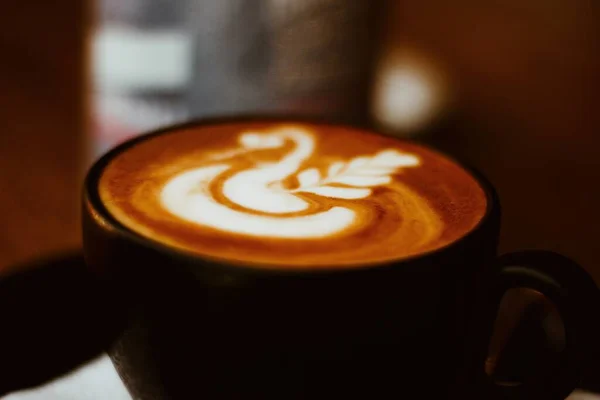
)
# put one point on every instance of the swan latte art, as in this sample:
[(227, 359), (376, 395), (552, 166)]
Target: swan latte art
[(290, 195)]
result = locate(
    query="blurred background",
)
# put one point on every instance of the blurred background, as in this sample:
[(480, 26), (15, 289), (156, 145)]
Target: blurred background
[(511, 86)]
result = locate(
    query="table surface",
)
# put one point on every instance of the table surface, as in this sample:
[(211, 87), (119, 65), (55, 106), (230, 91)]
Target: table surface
[(99, 381)]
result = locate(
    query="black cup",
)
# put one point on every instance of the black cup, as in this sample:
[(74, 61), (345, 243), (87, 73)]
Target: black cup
[(183, 327)]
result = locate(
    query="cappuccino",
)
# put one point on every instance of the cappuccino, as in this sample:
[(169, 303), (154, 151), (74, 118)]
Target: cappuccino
[(290, 195)]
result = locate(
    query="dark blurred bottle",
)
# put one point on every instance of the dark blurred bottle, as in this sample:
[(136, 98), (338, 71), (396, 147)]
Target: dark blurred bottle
[(157, 62)]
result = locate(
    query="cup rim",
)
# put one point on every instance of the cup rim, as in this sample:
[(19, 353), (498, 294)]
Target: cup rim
[(91, 198)]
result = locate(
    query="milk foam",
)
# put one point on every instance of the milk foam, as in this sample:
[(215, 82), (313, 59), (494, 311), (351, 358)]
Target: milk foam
[(265, 207), (290, 195)]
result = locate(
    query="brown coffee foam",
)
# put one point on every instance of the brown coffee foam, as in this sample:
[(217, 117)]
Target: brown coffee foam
[(426, 207)]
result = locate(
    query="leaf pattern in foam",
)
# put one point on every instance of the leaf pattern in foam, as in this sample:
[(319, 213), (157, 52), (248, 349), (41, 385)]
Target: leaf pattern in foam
[(360, 172), (393, 158), (309, 177)]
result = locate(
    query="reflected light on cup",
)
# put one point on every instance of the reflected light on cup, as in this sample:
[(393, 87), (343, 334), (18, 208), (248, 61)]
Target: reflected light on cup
[(410, 92)]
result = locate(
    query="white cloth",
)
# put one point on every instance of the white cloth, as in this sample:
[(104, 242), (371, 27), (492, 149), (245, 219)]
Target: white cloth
[(97, 380)]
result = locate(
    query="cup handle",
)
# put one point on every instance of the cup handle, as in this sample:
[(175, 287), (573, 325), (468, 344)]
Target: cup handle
[(54, 316), (575, 296)]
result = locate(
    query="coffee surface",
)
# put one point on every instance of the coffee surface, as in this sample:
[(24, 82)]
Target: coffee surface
[(291, 195)]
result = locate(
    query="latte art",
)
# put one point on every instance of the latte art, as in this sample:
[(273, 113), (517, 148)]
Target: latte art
[(289, 195), (268, 208)]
